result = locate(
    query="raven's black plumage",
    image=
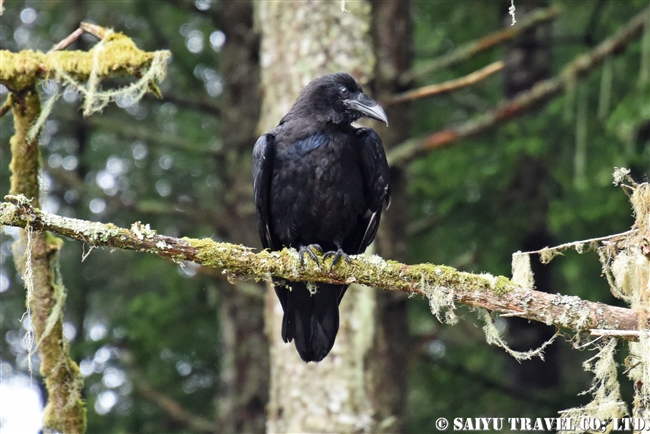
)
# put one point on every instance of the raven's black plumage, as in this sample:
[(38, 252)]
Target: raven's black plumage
[(320, 181)]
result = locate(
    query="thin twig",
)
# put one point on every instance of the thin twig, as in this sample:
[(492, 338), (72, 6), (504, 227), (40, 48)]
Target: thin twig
[(65, 42), (446, 86), (6, 107), (582, 242), (98, 31), (95, 30), (617, 333)]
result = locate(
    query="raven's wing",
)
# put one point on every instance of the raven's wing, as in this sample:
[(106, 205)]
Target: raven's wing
[(376, 177), (263, 155)]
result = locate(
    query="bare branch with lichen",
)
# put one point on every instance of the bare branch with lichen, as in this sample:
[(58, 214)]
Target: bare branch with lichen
[(548, 253), (443, 286)]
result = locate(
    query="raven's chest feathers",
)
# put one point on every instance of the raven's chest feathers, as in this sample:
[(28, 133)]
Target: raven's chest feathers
[(318, 188)]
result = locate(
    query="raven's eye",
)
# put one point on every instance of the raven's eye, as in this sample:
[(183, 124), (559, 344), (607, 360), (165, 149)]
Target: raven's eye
[(343, 91)]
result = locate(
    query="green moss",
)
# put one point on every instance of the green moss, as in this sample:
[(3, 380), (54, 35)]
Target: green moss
[(26, 106), (503, 285), (68, 416), (116, 55), (53, 241), (363, 269), (224, 255)]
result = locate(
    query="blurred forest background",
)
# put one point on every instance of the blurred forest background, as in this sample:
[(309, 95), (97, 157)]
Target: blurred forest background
[(165, 348)]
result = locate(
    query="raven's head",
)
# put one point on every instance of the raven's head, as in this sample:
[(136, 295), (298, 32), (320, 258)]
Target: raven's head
[(337, 98)]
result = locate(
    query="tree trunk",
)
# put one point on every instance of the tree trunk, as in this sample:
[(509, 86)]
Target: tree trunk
[(393, 41), (244, 386), (301, 41)]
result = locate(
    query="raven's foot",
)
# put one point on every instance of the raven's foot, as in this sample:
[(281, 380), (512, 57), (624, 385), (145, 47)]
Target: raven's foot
[(337, 257), (310, 251)]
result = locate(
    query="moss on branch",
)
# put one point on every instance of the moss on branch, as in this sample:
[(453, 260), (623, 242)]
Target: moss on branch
[(444, 286), (118, 55), (36, 257)]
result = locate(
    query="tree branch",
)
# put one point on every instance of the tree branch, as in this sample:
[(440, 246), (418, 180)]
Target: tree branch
[(466, 51), (443, 285), (447, 86), (138, 131), (36, 258), (119, 56), (5, 107), (172, 407), (541, 93)]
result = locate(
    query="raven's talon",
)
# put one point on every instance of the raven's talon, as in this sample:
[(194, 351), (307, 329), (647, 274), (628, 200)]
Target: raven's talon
[(337, 257), (310, 251)]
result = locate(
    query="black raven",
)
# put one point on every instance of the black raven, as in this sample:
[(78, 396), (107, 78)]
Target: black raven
[(320, 184)]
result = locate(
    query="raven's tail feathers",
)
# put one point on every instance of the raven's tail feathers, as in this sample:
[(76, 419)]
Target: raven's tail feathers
[(311, 319)]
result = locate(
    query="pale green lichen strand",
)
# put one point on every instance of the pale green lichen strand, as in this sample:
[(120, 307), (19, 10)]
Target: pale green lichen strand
[(606, 403)]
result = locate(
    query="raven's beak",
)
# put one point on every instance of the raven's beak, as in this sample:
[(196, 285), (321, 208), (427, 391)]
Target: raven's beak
[(367, 107)]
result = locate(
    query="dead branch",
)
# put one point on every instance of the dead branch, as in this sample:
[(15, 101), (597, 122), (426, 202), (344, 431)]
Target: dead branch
[(474, 290), (627, 334), (446, 86), (172, 407), (466, 51), (5, 108), (65, 42), (542, 93)]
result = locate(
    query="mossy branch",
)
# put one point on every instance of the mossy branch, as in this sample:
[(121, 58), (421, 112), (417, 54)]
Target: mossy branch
[(118, 56), (36, 258), (443, 285)]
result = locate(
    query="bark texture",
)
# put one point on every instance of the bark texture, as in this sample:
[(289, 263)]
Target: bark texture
[(244, 385), (393, 40), (36, 258), (301, 41)]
